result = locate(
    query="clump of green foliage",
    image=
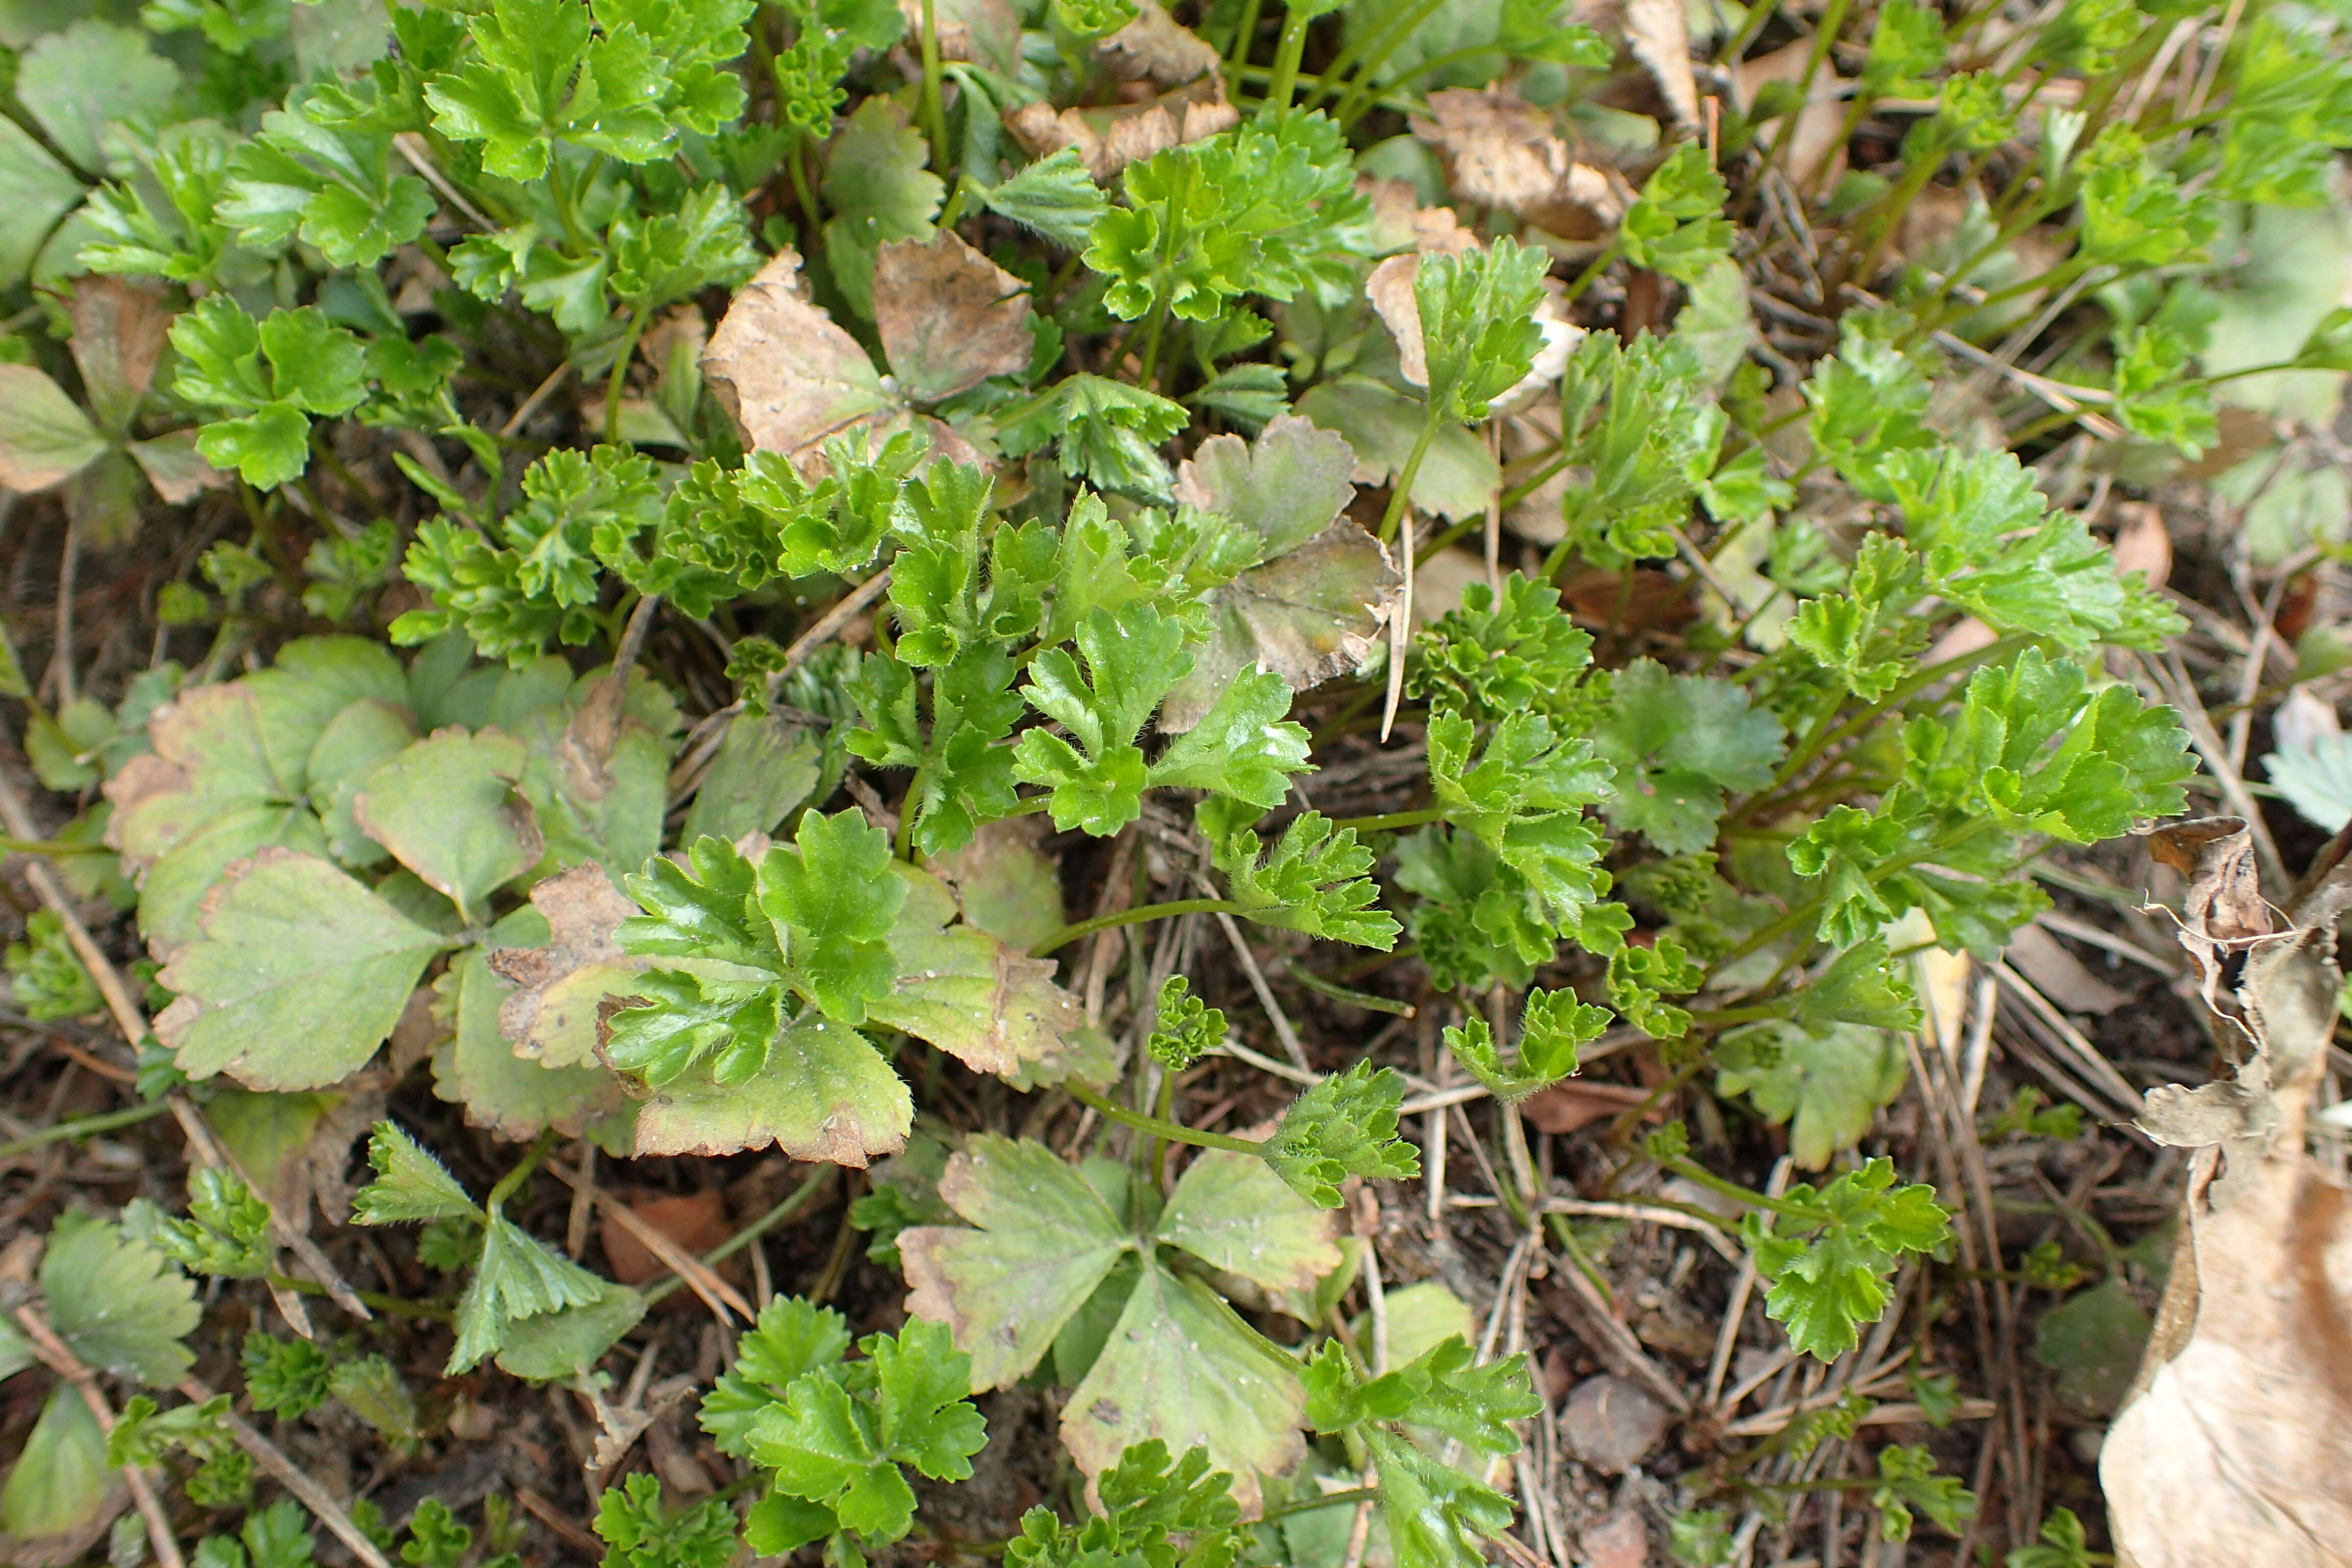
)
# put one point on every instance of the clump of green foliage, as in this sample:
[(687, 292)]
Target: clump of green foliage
[(572, 375)]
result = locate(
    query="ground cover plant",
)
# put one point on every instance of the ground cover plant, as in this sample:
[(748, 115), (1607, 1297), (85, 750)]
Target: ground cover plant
[(1058, 780)]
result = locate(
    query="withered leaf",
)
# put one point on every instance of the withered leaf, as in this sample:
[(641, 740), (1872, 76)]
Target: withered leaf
[(117, 337), (2234, 1445), (789, 376), (949, 317), (552, 1017), (1154, 46), (1108, 140), (1499, 151)]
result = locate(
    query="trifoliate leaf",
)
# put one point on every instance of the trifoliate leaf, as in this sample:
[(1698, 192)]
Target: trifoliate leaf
[(1184, 1028), (1830, 1254), (1344, 1126), (1554, 1024), (297, 976), (117, 1303)]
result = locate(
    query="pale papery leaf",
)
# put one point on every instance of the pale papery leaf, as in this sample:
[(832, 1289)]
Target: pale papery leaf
[(1109, 140), (1156, 48), (949, 317), (1308, 617), (1657, 34), (1500, 150), (117, 337), (2234, 1445), (789, 376)]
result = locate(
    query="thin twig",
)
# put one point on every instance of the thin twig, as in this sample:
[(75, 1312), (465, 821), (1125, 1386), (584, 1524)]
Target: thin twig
[(1400, 628), (714, 1292), (1291, 1046)]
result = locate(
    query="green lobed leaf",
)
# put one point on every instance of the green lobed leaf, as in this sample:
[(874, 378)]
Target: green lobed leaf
[(1344, 1126)]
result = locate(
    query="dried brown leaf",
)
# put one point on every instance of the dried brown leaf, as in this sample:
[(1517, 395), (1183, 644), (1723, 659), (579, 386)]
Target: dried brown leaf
[(1400, 222), (552, 1018), (1389, 288), (1499, 151), (949, 317), (1657, 34), (2143, 543), (2058, 974), (1109, 139), (2234, 1447), (1155, 48), (789, 376), (117, 337), (987, 32)]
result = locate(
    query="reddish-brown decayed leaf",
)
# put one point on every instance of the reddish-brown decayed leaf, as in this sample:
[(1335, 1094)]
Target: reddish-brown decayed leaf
[(1565, 1107), (949, 317), (697, 1222)]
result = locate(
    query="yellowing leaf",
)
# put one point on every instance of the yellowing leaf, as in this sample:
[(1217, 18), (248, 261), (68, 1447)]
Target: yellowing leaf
[(1183, 1367), (826, 1094), (551, 1018), (45, 438), (298, 975), (990, 1005)]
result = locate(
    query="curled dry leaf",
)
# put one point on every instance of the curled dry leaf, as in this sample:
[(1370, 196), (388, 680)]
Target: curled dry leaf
[(2224, 912), (949, 317), (1656, 32), (789, 376), (1500, 152), (552, 1017), (1108, 140), (2234, 1447), (1155, 48)]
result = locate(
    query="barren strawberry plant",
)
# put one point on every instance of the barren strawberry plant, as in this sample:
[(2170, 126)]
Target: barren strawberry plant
[(1358, 784)]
